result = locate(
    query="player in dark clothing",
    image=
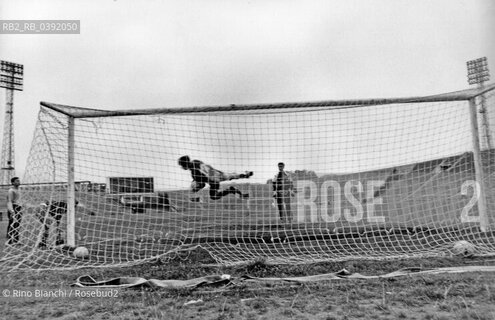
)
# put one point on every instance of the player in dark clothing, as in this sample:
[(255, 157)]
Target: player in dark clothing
[(203, 174), (51, 213), (14, 210), (283, 190)]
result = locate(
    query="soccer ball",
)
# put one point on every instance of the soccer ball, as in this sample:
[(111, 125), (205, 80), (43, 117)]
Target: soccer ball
[(463, 248), (81, 252)]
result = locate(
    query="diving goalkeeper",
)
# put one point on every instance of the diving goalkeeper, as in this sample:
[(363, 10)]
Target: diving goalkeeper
[(203, 174)]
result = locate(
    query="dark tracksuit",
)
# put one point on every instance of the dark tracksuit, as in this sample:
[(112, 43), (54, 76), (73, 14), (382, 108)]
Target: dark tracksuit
[(283, 188), (55, 210)]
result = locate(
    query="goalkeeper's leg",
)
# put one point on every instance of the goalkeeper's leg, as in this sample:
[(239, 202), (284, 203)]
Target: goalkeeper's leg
[(226, 176), (215, 194)]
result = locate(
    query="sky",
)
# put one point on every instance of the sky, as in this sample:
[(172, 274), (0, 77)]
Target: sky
[(152, 54)]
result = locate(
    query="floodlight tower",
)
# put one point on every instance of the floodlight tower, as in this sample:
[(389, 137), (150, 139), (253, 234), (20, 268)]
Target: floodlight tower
[(11, 78), (478, 73)]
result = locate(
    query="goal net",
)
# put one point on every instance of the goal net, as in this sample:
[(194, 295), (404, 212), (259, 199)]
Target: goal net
[(363, 179)]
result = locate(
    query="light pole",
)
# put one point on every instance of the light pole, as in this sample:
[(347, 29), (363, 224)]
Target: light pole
[(11, 78), (478, 73)]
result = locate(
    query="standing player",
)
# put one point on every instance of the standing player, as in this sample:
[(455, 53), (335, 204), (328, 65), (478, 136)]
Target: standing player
[(14, 211), (283, 190), (50, 213), (203, 174)]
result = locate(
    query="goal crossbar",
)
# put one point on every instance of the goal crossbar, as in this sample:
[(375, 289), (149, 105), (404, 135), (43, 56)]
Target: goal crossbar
[(78, 112)]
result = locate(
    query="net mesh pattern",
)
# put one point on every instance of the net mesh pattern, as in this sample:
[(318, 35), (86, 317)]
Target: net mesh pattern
[(369, 181)]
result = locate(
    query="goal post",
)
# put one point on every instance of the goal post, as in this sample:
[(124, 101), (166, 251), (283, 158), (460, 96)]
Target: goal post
[(478, 164), (376, 179), (71, 190)]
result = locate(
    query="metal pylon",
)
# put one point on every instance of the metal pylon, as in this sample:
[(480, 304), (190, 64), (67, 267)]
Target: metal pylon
[(7, 160)]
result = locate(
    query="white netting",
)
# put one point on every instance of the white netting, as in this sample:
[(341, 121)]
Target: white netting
[(373, 180)]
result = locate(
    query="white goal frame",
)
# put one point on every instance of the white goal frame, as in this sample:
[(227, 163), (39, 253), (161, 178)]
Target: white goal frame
[(466, 95), (373, 179)]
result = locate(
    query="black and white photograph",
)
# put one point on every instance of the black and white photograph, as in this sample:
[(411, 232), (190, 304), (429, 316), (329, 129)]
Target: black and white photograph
[(247, 159)]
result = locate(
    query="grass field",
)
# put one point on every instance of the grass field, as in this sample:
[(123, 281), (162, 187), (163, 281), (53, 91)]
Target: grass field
[(442, 296)]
